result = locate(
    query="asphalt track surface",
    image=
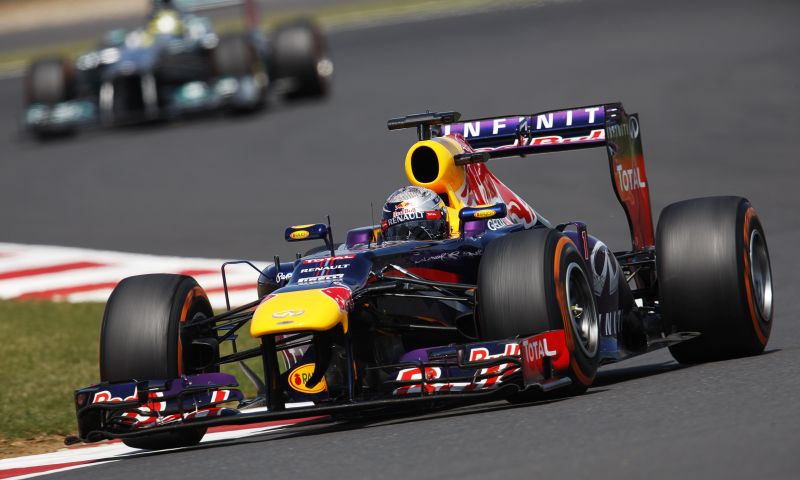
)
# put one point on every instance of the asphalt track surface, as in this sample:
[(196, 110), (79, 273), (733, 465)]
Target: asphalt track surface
[(717, 86)]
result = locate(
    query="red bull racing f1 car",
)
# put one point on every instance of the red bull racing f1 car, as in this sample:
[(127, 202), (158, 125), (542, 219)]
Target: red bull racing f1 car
[(463, 294)]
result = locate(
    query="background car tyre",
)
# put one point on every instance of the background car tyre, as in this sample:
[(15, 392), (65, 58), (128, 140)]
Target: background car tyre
[(140, 339), (533, 281), (715, 277), (235, 56), (49, 81), (298, 52)]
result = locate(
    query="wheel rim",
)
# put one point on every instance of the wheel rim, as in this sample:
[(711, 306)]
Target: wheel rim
[(760, 275), (582, 314), (324, 68)]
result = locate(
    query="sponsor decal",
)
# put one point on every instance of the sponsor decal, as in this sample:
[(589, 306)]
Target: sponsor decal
[(288, 313), (153, 403), (283, 277), (299, 235), (483, 188), (325, 268), (300, 375), (321, 278), (512, 125), (481, 353), (633, 127), (496, 224), (611, 322), (484, 213), (550, 345), (220, 396), (405, 217), (403, 208), (630, 129), (630, 178), (341, 295), (454, 255), (106, 397), (605, 269), (537, 350), (409, 374), (328, 259), (475, 355)]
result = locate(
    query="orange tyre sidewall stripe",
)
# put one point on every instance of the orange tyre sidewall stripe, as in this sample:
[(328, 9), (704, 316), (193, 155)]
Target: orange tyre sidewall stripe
[(748, 216), (561, 296), (187, 304)]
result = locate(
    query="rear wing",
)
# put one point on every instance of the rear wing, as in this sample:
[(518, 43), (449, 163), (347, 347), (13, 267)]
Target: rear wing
[(196, 6), (605, 125)]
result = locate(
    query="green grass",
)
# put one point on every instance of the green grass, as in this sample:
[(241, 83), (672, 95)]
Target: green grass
[(48, 351)]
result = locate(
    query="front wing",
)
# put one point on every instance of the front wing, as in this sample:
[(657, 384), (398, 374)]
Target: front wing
[(244, 92), (441, 377)]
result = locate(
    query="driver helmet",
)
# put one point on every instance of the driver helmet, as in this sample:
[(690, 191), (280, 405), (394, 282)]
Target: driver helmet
[(415, 213)]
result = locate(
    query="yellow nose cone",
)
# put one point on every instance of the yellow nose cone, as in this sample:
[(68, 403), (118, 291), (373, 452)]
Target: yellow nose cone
[(301, 311)]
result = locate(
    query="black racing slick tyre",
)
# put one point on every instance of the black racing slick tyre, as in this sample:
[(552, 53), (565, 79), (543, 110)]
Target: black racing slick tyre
[(49, 81), (140, 339), (298, 52), (235, 56), (534, 281), (714, 278)]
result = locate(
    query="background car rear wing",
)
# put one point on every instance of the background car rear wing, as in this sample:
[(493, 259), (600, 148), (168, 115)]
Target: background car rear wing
[(605, 125), (197, 6)]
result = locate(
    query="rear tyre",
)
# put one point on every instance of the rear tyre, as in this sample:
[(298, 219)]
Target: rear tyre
[(49, 81), (298, 52), (715, 278), (140, 339), (533, 281)]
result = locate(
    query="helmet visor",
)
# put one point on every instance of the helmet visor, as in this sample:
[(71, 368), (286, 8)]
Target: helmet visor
[(417, 230)]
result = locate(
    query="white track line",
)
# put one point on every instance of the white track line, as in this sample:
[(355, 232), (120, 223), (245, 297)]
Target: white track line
[(93, 283), (104, 452)]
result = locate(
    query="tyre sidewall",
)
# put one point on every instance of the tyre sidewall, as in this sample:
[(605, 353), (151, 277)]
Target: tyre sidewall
[(524, 276), (705, 278), (140, 334), (583, 367)]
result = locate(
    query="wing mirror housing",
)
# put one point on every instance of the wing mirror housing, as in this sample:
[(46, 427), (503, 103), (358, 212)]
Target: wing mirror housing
[(312, 231), (300, 233), (469, 216)]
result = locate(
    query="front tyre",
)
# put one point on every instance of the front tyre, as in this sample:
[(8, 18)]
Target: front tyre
[(534, 281), (49, 81), (715, 278), (140, 339)]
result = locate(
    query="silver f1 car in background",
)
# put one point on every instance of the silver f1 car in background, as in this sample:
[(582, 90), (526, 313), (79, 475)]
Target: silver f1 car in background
[(176, 64)]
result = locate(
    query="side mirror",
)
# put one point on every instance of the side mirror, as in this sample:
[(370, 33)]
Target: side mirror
[(470, 215), (314, 231)]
